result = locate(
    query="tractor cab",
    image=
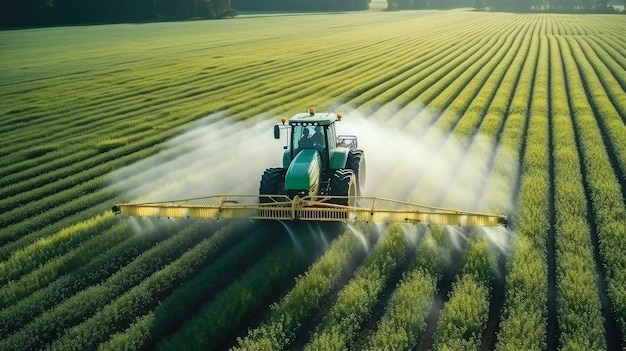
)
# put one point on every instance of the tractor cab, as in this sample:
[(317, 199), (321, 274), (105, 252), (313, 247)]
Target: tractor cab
[(313, 131)]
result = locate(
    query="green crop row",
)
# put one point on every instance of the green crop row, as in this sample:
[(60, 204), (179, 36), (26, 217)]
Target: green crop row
[(143, 296), (579, 313), (56, 218), (143, 110), (83, 168), (518, 83), (610, 107), (225, 314), (27, 305), (479, 127), (427, 90), (47, 248), (460, 70), (459, 89), (464, 317), (604, 189), (121, 101), (414, 77), (398, 87), (51, 270), (523, 319), (507, 133), (459, 75), (355, 301), (462, 92), (611, 58), (285, 318), (480, 91), (439, 68), (350, 73), (184, 301), (69, 200), (396, 82), (51, 324), (400, 110), (44, 168), (404, 320)]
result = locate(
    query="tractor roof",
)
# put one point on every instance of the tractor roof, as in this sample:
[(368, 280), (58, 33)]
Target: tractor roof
[(321, 118)]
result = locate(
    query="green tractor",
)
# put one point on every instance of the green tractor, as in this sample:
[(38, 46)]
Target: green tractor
[(316, 162)]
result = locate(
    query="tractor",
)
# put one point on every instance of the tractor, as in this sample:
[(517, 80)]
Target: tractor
[(316, 161)]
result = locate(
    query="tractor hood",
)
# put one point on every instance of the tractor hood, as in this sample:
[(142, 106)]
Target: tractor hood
[(303, 175)]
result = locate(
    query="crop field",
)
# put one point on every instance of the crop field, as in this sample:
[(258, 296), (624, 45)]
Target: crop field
[(518, 114)]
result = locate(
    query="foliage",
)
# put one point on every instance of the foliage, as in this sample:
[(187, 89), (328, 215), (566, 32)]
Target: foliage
[(47, 12), (300, 5)]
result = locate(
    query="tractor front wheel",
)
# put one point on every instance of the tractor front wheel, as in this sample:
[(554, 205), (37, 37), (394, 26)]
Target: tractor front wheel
[(272, 183), (343, 183), (356, 162)]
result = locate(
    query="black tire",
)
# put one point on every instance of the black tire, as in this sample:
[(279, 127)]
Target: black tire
[(272, 183), (356, 162), (343, 183)]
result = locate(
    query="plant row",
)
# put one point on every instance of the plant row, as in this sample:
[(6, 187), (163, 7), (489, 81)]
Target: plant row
[(524, 315), (69, 261), (404, 321), (48, 326), (458, 88), (227, 312), (426, 81), (464, 316), (579, 309), (47, 248), (355, 300), (57, 209), (414, 114), (287, 316), (608, 107), (144, 296), (175, 309), (27, 305), (477, 131), (609, 208)]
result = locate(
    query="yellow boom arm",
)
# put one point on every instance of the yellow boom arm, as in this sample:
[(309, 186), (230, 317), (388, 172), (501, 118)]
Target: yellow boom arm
[(319, 208)]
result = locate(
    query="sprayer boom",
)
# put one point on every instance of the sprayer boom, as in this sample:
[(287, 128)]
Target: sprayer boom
[(318, 208)]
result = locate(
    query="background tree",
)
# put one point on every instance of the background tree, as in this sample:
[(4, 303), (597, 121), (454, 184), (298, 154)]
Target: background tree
[(23, 12), (300, 5), (221, 9), (15, 13)]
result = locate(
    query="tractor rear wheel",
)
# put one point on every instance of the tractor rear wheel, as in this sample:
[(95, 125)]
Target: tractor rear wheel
[(343, 183), (272, 183), (356, 162)]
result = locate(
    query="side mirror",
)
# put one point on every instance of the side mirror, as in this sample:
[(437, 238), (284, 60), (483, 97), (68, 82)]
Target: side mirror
[(276, 131)]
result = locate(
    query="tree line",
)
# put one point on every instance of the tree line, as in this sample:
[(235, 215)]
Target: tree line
[(17, 13), (20, 13), (301, 5)]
